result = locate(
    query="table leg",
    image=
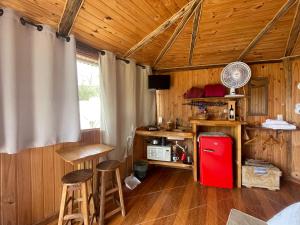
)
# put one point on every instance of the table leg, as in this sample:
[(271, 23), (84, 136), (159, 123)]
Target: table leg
[(96, 186), (195, 154)]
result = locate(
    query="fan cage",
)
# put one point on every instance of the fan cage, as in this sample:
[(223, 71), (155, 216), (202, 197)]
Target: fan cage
[(227, 76)]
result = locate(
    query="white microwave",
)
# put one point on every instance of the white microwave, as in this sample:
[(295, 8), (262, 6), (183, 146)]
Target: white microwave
[(156, 152)]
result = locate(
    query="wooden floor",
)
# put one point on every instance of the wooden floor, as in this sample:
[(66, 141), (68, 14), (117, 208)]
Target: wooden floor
[(170, 197)]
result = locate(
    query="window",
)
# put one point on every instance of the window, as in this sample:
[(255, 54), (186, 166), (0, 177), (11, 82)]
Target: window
[(89, 93)]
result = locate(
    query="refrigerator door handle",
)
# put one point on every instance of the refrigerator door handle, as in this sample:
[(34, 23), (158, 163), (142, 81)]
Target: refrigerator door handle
[(209, 150)]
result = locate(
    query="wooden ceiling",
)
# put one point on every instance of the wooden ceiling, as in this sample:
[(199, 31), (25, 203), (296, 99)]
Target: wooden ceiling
[(226, 27)]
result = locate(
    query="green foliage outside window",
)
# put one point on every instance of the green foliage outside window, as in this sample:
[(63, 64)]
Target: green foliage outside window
[(88, 91)]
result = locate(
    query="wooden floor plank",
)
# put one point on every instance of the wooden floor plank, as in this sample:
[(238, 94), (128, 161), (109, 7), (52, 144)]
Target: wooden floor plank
[(169, 197)]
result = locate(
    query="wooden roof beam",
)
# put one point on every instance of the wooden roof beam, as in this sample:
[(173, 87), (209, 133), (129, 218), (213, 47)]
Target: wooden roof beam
[(70, 13), (283, 10), (197, 16), (294, 33), (164, 26), (177, 31)]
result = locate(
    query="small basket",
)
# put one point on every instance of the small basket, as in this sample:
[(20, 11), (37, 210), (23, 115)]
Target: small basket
[(200, 116)]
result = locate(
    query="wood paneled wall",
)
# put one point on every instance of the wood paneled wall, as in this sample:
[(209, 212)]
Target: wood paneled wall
[(31, 182), (295, 156), (170, 106)]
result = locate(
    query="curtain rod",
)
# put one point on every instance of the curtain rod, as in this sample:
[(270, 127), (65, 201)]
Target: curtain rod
[(102, 52), (58, 35), (24, 22), (40, 28), (125, 60)]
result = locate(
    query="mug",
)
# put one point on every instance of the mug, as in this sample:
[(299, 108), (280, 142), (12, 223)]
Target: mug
[(175, 158)]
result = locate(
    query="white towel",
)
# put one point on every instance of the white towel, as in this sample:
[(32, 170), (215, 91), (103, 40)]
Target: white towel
[(279, 122), (279, 127), (260, 170)]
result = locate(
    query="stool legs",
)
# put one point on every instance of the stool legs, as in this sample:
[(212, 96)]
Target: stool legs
[(62, 205), (102, 199), (91, 202), (109, 194), (120, 191), (71, 205), (84, 205)]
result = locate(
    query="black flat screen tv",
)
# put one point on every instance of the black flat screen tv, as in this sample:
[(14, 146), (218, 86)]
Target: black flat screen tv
[(159, 82)]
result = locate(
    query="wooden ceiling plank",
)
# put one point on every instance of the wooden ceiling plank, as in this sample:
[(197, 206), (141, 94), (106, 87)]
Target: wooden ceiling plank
[(198, 13), (86, 28), (177, 31), (69, 15), (127, 13), (160, 29), (294, 32), (37, 14), (94, 14), (98, 44), (93, 27), (283, 10)]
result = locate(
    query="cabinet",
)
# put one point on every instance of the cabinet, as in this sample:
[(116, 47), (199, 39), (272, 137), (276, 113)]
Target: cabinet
[(235, 132)]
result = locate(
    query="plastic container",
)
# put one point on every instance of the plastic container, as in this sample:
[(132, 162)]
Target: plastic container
[(140, 169)]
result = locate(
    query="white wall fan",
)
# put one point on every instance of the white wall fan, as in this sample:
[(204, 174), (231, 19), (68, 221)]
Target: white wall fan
[(235, 75)]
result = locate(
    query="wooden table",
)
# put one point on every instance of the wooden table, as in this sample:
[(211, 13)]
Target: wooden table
[(79, 155)]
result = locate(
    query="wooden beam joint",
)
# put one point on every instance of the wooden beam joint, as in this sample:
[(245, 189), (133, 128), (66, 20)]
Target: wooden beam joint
[(68, 18), (164, 26), (177, 31)]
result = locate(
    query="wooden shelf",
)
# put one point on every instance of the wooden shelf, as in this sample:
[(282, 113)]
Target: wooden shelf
[(220, 123), (165, 133), (179, 164), (215, 99), (269, 129)]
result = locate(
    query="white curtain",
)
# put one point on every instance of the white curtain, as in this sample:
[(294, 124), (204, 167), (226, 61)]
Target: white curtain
[(145, 102), (119, 109), (38, 87)]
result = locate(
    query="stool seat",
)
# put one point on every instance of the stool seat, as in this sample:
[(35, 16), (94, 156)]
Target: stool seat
[(77, 176), (109, 165)]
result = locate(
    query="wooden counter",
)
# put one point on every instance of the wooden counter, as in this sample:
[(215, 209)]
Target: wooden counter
[(165, 133), (83, 153), (171, 135), (217, 123)]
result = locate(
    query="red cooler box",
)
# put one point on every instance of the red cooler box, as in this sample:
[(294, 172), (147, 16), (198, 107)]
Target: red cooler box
[(216, 161)]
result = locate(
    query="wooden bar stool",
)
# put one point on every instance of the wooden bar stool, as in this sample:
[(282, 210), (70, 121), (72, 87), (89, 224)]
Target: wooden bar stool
[(103, 168), (78, 180)]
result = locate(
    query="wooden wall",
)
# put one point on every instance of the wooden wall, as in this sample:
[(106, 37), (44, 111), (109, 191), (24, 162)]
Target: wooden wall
[(30, 189), (170, 106), (295, 156)]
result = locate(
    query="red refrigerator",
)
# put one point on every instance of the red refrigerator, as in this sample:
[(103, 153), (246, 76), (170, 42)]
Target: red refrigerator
[(216, 161)]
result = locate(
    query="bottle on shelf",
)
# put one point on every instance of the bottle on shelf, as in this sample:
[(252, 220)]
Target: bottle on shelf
[(231, 110)]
